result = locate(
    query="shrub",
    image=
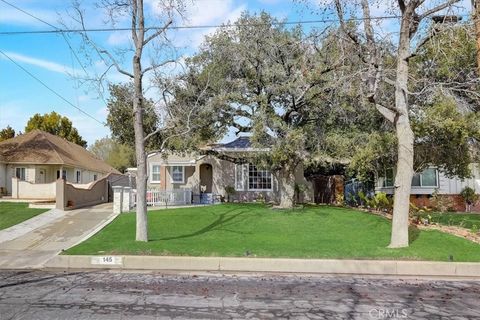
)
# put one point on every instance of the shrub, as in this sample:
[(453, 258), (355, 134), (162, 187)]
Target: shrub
[(469, 196), (441, 203), (339, 200), (230, 191), (363, 198)]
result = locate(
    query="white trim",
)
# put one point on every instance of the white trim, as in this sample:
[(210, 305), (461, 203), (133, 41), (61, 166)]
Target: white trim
[(183, 175), (243, 177), (190, 163), (152, 164)]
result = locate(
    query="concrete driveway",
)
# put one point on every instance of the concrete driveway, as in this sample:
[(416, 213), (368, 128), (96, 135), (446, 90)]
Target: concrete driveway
[(33, 249)]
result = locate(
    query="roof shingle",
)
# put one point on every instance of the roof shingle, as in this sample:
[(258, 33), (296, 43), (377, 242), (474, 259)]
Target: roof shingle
[(40, 147)]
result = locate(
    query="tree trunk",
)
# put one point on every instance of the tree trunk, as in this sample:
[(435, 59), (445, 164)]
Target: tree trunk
[(405, 138), (138, 37), (141, 230), (476, 18), (286, 186)]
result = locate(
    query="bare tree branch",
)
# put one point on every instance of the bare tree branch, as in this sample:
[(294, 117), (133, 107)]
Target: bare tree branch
[(437, 8), (158, 32)]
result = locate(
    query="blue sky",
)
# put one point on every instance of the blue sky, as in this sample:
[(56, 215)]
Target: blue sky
[(49, 57)]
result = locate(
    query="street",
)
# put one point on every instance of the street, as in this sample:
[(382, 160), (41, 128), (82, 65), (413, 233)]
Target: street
[(121, 295)]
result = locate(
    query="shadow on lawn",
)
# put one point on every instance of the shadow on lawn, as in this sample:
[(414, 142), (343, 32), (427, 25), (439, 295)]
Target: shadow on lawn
[(223, 220)]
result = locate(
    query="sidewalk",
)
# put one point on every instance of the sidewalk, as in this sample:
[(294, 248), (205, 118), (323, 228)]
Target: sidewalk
[(29, 225), (36, 246)]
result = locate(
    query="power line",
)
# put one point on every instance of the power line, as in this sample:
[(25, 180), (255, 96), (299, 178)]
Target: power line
[(28, 14), (50, 89), (63, 36), (228, 25), (48, 24)]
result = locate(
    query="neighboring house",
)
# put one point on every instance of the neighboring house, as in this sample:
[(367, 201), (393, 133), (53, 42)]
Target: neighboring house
[(31, 163), (210, 175), (431, 179)]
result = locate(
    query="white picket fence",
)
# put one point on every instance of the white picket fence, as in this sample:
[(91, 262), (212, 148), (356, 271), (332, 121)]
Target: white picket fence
[(168, 197)]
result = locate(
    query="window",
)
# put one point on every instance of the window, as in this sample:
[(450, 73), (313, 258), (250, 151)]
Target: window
[(388, 179), (78, 176), (259, 179), (178, 173), (428, 178), (155, 173), (239, 177), (20, 173), (64, 174), (95, 177)]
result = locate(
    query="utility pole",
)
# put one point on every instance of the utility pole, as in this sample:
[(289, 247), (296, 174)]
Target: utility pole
[(476, 20)]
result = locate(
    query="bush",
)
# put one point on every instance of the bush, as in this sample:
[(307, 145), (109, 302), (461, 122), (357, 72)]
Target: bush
[(417, 213), (379, 202), (441, 203), (469, 196), (230, 191)]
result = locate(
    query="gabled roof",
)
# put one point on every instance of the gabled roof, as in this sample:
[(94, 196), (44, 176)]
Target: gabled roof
[(40, 147), (240, 144)]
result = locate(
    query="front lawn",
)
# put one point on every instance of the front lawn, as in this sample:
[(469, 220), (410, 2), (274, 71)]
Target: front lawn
[(256, 230), (464, 220), (12, 213)]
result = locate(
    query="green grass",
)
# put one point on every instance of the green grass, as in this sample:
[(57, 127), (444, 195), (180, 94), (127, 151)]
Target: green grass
[(12, 213), (464, 220), (234, 229)]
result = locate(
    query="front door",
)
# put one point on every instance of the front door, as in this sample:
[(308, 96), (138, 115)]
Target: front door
[(41, 176), (206, 178)]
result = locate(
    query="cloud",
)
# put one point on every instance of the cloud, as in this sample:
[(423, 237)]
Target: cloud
[(12, 16), (270, 2), (209, 11), (205, 13), (119, 38), (44, 64)]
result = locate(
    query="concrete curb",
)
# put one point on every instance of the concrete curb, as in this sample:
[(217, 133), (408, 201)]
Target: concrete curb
[(308, 266)]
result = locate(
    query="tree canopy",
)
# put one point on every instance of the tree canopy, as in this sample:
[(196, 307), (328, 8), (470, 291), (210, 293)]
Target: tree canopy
[(120, 115), (7, 133), (55, 124), (119, 156)]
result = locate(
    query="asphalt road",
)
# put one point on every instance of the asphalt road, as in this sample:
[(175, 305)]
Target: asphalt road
[(104, 295)]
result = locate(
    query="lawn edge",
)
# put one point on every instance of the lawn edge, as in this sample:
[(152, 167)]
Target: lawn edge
[(267, 265)]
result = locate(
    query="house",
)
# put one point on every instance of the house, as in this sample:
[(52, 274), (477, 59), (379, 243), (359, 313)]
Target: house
[(432, 180), (212, 175), (31, 163)]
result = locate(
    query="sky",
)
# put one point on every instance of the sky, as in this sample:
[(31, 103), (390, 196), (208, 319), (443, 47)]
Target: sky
[(58, 60)]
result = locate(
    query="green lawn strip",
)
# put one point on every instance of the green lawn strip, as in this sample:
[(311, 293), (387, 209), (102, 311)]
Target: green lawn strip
[(464, 220), (12, 213), (235, 229)]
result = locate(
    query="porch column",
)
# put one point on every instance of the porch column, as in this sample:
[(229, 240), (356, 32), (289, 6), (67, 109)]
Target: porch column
[(117, 199), (127, 199)]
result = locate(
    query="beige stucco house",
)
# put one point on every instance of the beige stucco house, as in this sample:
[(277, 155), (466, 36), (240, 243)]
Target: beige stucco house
[(208, 174), (31, 163)]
